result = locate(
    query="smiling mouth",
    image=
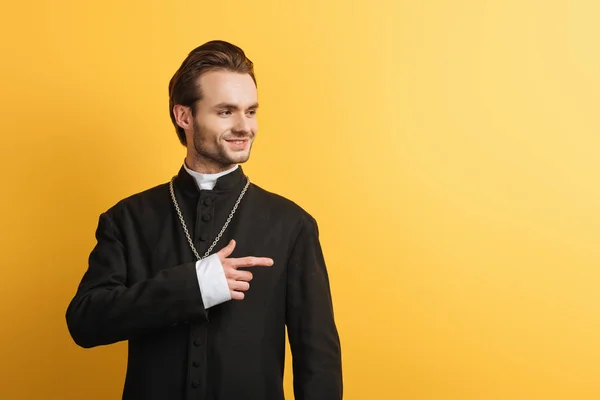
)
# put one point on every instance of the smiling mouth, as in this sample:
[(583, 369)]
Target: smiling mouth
[(238, 140)]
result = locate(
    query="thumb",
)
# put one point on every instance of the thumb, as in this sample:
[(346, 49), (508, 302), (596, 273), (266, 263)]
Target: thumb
[(227, 250)]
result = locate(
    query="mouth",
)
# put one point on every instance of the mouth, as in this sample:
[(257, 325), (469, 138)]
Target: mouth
[(237, 143)]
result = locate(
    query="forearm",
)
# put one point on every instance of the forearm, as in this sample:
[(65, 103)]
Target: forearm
[(317, 363), (106, 313), (314, 339)]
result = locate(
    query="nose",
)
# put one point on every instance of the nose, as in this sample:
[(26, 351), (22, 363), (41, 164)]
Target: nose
[(242, 125)]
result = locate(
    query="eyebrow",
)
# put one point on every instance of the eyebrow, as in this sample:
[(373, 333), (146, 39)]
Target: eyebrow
[(231, 106)]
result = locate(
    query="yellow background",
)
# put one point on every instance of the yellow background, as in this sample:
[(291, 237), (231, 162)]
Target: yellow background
[(448, 149)]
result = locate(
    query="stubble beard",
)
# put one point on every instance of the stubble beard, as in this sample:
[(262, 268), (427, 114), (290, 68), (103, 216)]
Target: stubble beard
[(218, 156)]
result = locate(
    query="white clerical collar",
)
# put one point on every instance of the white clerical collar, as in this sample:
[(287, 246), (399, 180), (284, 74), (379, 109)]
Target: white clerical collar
[(207, 181)]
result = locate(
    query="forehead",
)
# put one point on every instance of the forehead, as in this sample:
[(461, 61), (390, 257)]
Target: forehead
[(226, 86)]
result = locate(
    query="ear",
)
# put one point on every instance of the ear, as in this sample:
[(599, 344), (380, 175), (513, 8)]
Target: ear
[(183, 116)]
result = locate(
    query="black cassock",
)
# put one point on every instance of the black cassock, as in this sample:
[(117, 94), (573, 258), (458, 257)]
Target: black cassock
[(141, 286)]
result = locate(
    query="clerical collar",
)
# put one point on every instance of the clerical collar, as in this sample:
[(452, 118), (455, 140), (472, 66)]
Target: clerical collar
[(207, 181)]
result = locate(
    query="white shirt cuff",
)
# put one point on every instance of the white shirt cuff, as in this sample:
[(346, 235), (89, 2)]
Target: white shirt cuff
[(211, 279)]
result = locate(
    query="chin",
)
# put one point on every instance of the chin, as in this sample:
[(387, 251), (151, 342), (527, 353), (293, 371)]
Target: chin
[(240, 160), (238, 157)]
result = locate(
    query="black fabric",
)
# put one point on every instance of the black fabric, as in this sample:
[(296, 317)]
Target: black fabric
[(141, 286)]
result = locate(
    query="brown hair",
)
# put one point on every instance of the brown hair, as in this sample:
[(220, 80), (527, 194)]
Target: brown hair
[(184, 88)]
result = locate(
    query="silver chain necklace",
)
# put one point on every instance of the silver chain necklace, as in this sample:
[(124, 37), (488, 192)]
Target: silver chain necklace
[(183, 225)]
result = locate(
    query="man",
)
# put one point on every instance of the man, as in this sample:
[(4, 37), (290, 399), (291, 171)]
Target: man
[(169, 272)]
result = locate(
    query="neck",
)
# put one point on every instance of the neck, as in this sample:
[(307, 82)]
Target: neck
[(203, 167)]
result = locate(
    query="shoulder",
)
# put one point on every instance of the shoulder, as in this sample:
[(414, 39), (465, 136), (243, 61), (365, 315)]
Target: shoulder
[(280, 207), (276, 201), (144, 202)]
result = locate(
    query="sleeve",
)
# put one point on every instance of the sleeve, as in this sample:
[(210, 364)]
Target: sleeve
[(212, 281), (106, 309), (313, 336)]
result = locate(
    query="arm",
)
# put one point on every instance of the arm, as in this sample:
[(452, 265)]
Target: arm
[(106, 310), (313, 335)]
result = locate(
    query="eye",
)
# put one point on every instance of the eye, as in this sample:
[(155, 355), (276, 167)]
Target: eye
[(224, 113), (252, 113)]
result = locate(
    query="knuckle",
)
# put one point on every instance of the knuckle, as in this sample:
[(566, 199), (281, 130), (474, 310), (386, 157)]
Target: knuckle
[(247, 261)]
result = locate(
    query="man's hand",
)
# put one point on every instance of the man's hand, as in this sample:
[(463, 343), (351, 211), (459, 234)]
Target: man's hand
[(238, 281)]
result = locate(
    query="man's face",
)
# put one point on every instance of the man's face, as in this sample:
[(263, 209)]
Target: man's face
[(225, 123)]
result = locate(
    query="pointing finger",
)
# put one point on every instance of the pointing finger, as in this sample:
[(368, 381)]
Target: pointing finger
[(251, 262)]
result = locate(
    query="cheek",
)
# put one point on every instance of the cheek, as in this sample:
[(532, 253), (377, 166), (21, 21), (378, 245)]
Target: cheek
[(215, 127)]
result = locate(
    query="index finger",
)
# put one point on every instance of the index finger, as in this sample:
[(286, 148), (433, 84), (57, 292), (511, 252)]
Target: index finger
[(251, 262)]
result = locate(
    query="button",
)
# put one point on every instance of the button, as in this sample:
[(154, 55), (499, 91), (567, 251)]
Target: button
[(208, 202), (198, 342), (204, 237), (196, 364), (196, 384), (206, 217)]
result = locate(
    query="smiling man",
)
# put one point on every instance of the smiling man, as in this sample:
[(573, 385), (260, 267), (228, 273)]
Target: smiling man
[(203, 274)]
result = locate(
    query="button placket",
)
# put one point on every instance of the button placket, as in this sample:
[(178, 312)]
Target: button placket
[(197, 363), (204, 220), (198, 331)]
